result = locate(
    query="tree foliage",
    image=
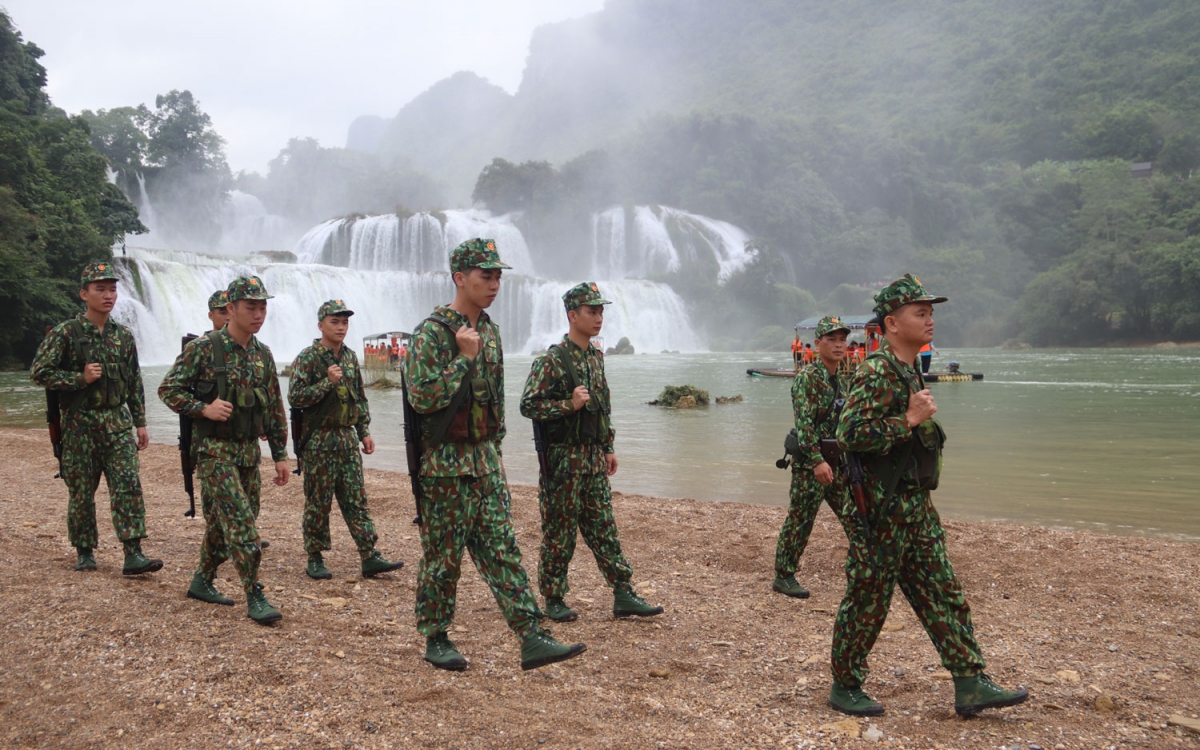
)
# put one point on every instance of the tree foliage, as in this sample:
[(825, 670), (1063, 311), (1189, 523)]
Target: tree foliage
[(57, 209)]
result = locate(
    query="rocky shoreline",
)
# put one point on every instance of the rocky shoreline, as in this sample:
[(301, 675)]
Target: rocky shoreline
[(1103, 630)]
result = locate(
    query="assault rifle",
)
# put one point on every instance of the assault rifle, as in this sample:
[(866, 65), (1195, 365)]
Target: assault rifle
[(858, 490), (54, 425), (186, 464), (297, 440), (412, 447), (541, 444)]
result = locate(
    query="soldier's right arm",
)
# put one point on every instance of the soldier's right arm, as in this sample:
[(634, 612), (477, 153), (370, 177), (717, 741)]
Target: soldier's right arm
[(431, 375), (538, 401), (46, 370), (872, 420), (805, 400), (309, 383), (176, 388)]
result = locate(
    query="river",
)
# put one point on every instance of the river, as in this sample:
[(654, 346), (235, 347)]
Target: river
[(1098, 439)]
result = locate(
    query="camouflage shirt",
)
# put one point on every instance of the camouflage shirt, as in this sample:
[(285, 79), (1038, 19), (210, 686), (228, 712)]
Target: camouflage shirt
[(433, 374), (252, 366), (873, 420), (310, 384), (814, 390), (547, 396), (57, 368)]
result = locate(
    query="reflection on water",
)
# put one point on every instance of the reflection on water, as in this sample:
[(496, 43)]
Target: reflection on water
[(1096, 439)]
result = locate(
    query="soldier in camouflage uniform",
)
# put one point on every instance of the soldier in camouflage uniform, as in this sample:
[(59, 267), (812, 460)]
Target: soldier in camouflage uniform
[(566, 390), (231, 408), (814, 390), (327, 385), (91, 364), (454, 375), (887, 422)]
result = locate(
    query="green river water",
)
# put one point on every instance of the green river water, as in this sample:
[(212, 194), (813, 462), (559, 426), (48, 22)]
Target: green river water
[(1098, 439)]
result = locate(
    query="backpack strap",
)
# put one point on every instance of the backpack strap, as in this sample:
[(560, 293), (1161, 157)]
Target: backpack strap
[(443, 424), (80, 341), (218, 364), (908, 448), (565, 360)]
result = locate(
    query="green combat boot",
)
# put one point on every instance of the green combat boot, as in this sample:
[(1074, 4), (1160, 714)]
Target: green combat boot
[(557, 610), (541, 649), (441, 653), (136, 563), (86, 560), (853, 701), (977, 692), (787, 586), (376, 564), (316, 568), (259, 609), (203, 590), (626, 604)]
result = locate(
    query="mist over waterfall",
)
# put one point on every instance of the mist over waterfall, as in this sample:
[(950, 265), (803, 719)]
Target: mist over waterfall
[(165, 294), (660, 239)]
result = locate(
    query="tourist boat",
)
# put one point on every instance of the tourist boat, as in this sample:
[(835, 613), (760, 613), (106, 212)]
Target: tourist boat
[(382, 353), (870, 343)]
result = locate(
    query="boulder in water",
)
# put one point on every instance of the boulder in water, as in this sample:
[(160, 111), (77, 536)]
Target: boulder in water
[(673, 395), (623, 347), (730, 399)]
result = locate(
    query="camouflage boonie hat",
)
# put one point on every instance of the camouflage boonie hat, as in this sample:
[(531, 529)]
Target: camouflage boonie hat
[(333, 307), (476, 253), (829, 324), (246, 287), (103, 271), (903, 291), (218, 300), (583, 294)]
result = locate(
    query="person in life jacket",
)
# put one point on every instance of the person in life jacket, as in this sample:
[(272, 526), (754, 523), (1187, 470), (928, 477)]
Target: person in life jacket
[(888, 423), (816, 391), (567, 392), (454, 374), (926, 354), (227, 383), (91, 364), (327, 385)]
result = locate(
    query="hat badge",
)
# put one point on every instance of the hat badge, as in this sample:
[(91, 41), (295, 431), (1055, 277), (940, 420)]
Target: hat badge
[(491, 246), (101, 267), (253, 282)]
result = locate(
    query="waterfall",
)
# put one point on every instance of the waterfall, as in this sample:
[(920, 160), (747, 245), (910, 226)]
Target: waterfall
[(421, 242), (246, 226), (165, 295), (654, 240)]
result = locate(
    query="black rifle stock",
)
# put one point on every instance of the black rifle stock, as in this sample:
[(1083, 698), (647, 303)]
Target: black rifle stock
[(412, 447), (858, 490), (541, 444), (297, 439), (186, 463), (54, 425)]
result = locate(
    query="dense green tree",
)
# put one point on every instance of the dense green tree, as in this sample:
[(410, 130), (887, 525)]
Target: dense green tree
[(57, 209)]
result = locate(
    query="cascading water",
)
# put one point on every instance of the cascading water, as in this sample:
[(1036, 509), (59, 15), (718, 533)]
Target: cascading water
[(165, 295), (392, 271)]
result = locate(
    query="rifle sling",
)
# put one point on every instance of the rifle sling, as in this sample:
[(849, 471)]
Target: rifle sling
[(218, 363), (443, 424), (313, 423)]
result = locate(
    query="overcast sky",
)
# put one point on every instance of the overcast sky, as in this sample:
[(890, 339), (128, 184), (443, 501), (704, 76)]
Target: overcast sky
[(270, 70)]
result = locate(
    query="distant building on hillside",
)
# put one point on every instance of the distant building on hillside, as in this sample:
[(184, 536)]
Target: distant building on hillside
[(1142, 169)]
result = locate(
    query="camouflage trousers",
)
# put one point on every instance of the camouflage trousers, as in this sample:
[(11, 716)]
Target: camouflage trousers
[(578, 504), (232, 494), (909, 551), (329, 474), (470, 513), (86, 455), (806, 495), (213, 550)]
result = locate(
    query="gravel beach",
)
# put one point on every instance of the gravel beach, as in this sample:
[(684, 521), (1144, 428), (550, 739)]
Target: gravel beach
[(1102, 630)]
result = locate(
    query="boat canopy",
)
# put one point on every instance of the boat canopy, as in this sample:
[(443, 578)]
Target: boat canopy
[(388, 335), (853, 322)]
